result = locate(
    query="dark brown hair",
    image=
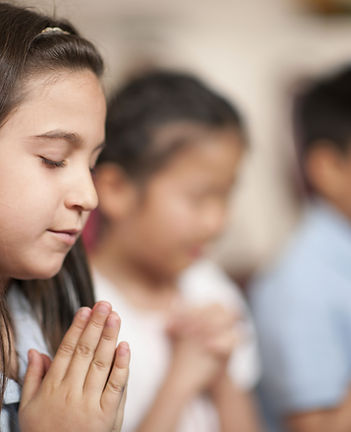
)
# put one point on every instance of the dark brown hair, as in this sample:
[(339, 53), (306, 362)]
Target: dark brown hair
[(25, 51), (321, 117), (148, 104)]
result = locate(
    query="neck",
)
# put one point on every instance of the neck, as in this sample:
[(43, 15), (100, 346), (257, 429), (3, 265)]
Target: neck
[(142, 287)]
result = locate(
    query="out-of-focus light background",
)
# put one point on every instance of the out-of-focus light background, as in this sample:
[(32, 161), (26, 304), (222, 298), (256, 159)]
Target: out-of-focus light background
[(254, 51)]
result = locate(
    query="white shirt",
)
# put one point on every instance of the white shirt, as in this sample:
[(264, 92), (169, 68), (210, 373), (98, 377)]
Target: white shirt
[(201, 284)]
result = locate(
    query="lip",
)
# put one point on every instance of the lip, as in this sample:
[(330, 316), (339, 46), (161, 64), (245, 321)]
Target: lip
[(68, 236)]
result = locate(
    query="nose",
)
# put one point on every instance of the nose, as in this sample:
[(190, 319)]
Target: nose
[(81, 194)]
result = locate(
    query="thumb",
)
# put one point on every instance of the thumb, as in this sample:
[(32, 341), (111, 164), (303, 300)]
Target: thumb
[(34, 375)]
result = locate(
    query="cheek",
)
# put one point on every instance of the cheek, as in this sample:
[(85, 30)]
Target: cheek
[(176, 218), (24, 198)]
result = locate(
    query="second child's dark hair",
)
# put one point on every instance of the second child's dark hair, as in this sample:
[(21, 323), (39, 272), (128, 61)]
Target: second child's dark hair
[(25, 52), (322, 113), (148, 104)]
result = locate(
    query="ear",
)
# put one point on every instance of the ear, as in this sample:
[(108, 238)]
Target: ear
[(115, 191), (324, 166)]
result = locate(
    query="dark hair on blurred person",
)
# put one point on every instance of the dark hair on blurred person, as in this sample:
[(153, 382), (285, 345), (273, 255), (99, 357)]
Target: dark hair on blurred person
[(322, 113), (142, 111)]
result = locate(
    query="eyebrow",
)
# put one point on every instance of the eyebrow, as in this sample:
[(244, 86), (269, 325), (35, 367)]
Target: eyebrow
[(72, 138)]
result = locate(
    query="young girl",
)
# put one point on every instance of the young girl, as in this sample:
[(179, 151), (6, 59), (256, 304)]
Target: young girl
[(172, 153), (52, 113)]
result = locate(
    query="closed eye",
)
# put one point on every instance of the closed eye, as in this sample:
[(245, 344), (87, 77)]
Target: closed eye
[(53, 164)]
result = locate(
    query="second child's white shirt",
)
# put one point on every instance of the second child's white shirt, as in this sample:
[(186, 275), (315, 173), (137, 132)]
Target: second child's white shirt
[(200, 284)]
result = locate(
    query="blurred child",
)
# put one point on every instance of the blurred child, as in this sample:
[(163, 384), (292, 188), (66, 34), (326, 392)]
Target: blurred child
[(52, 118), (302, 306), (173, 149)]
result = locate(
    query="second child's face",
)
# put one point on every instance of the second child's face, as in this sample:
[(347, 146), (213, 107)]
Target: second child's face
[(48, 146), (184, 205)]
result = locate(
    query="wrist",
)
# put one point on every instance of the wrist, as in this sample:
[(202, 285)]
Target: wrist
[(221, 384)]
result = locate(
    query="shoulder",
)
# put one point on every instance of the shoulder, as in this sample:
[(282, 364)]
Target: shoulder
[(312, 271), (299, 308)]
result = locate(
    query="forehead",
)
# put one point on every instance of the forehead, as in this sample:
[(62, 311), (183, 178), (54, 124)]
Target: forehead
[(211, 154), (177, 138), (67, 100), (63, 85)]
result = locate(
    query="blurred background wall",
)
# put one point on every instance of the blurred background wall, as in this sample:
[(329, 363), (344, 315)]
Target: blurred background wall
[(256, 52)]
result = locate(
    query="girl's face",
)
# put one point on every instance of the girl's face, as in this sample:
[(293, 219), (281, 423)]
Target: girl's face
[(183, 207), (48, 146)]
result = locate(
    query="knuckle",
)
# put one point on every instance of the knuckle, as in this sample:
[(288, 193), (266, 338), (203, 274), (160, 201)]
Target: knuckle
[(99, 364), (69, 398), (84, 350), (66, 348), (80, 325), (116, 387), (96, 324), (107, 337)]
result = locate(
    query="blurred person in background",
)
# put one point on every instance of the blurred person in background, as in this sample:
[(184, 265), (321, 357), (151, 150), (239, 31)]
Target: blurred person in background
[(302, 306), (173, 149)]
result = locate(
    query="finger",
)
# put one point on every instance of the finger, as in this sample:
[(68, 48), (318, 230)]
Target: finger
[(68, 345), (214, 319), (183, 321), (117, 381), (46, 361), (120, 412), (218, 323), (33, 377), (103, 359), (224, 344), (85, 348)]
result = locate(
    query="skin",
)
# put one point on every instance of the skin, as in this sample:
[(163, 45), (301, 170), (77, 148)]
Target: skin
[(190, 194), (203, 341), (84, 386), (35, 195), (329, 172), (151, 236), (337, 419), (48, 146)]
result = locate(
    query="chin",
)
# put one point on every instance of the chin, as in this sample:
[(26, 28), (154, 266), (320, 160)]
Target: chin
[(43, 272), (186, 262)]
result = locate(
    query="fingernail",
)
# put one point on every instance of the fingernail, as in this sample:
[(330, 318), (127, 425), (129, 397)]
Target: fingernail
[(84, 313), (113, 320), (103, 308), (123, 349)]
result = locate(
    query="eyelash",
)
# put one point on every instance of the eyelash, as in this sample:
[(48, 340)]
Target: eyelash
[(59, 164), (53, 164)]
